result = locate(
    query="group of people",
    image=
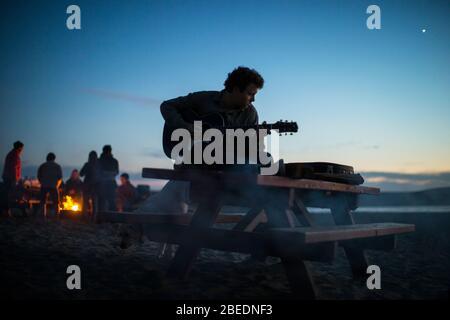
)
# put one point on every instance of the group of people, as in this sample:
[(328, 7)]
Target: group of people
[(234, 103), (97, 191)]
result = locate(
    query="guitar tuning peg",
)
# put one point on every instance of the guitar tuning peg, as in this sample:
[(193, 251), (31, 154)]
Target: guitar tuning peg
[(291, 134), (281, 134), (281, 120)]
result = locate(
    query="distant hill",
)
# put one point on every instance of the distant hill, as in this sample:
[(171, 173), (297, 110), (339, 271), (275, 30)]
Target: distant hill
[(438, 196)]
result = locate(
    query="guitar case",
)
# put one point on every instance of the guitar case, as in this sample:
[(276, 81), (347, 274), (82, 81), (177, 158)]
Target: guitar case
[(325, 171)]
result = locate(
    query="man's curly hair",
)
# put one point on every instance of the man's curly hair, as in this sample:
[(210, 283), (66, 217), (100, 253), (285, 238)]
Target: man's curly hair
[(241, 77)]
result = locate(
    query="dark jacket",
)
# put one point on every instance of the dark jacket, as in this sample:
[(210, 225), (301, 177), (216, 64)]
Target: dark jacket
[(49, 173), (12, 170), (91, 173), (203, 103), (109, 167)]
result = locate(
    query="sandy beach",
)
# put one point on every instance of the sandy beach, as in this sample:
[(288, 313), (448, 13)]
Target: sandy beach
[(35, 254)]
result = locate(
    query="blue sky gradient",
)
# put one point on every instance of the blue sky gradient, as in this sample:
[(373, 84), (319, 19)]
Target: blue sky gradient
[(374, 99)]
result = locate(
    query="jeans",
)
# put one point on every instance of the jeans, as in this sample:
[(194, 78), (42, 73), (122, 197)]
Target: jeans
[(54, 197), (107, 196)]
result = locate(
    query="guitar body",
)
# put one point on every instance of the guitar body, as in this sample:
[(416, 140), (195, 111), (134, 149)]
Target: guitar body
[(212, 120)]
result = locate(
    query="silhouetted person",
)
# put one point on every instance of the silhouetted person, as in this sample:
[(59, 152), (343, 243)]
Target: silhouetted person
[(12, 171), (91, 183), (50, 177), (126, 194), (109, 168)]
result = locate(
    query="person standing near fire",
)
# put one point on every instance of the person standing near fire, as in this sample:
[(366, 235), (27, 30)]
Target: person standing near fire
[(12, 171), (50, 177), (91, 173), (109, 168)]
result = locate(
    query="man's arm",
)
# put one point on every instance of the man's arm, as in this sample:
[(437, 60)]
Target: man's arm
[(116, 167), (39, 174), (17, 168), (59, 176), (171, 111), (253, 117), (83, 170)]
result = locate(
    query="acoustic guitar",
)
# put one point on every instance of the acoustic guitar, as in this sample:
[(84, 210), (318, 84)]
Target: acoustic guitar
[(217, 121)]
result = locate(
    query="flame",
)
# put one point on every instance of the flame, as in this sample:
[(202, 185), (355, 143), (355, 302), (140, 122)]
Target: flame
[(69, 204)]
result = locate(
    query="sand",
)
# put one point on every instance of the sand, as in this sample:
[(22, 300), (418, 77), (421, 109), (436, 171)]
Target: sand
[(34, 256)]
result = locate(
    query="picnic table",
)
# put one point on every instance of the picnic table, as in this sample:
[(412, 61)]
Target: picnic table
[(278, 222)]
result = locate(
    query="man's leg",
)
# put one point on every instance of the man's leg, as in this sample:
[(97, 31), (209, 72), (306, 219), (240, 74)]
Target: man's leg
[(54, 197), (42, 201), (5, 196), (6, 190), (111, 196), (11, 192), (56, 202), (101, 197), (86, 197)]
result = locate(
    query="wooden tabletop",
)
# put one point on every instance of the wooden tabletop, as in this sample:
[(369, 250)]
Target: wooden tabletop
[(197, 175)]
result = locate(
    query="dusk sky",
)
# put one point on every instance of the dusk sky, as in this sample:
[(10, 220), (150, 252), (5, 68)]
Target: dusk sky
[(378, 100)]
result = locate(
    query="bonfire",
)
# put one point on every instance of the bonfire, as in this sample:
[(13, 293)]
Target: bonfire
[(70, 204)]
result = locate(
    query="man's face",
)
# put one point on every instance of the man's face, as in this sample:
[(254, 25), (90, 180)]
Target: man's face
[(19, 151), (246, 97), (123, 181)]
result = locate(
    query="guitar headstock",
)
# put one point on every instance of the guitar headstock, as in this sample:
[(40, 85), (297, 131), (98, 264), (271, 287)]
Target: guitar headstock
[(281, 126)]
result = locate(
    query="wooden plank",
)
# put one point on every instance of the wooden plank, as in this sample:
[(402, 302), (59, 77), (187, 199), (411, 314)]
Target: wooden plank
[(199, 176), (244, 178), (153, 218), (394, 228), (384, 243), (242, 242), (284, 182), (345, 232), (251, 220)]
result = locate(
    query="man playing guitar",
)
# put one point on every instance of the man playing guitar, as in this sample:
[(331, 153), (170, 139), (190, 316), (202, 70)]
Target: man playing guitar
[(234, 103)]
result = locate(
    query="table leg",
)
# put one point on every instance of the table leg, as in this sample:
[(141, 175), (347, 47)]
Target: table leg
[(279, 214), (251, 220), (342, 216), (299, 277), (302, 214), (205, 216)]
